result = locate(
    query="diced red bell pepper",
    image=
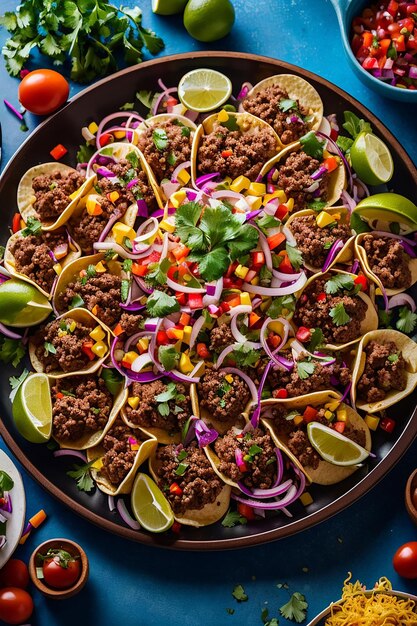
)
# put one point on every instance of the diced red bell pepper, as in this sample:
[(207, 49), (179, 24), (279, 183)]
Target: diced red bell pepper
[(275, 240), (231, 269), (181, 298), (321, 297), (407, 23), (180, 252), (195, 301), (330, 163), (340, 427), (362, 281), (104, 139), (58, 152), (139, 269), (387, 424), (86, 348), (285, 266), (281, 211), (203, 351), (175, 489), (280, 393), (246, 511), (399, 43), (59, 395), (16, 222), (310, 414), (253, 318), (184, 319), (227, 153), (233, 300), (126, 364), (258, 259), (118, 329), (162, 338), (367, 39), (171, 101), (224, 307), (303, 334)]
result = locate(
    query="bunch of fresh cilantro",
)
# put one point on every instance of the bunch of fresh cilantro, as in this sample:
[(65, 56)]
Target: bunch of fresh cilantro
[(88, 33)]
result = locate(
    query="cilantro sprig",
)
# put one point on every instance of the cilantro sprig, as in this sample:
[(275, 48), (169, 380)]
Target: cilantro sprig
[(295, 609), (81, 474), (233, 518)]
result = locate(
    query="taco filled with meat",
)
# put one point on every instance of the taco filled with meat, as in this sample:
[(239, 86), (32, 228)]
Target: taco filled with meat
[(288, 103), (50, 193), (39, 256), (198, 497), (385, 370), (233, 145), (387, 259), (74, 343), (338, 304), (289, 419), (118, 457)]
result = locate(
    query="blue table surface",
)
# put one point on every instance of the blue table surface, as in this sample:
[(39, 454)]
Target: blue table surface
[(132, 584)]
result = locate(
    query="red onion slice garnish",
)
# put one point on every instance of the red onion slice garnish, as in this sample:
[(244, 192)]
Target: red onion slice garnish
[(402, 299), (125, 515), (333, 252), (74, 453)]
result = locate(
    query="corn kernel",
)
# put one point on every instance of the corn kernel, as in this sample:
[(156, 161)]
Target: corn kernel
[(98, 464), (186, 337), (257, 189), (100, 268), (223, 116), (342, 415), (121, 230), (93, 128), (119, 134), (99, 348), (74, 194), (133, 402), (73, 326), (57, 268), (177, 197), (185, 365), (97, 333), (165, 225), (323, 219), (298, 419), (279, 193), (241, 271), (332, 406), (245, 298), (183, 176), (306, 499), (328, 414), (372, 422), (143, 344), (229, 378), (240, 183), (254, 202)]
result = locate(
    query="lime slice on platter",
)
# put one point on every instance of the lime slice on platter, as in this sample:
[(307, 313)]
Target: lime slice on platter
[(168, 7), (149, 505), (334, 447), (21, 304), (204, 90), (390, 212), (32, 409), (371, 159)]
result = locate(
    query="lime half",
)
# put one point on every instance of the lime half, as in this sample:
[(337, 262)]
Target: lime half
[(334, 447), (388, 211), (22, 304), (32, 409), (168, 7), (204, 90), (149, 505), (371, 159)]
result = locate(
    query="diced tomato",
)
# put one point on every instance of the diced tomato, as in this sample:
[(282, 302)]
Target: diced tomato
[(387, 424), (321, 297), (184, 319), (59, 395), (16, 222), (399, 43), (340, 427), (176, 528), (180, 252), (104, 139), (273, 340), (253, 318), (139, 270), (370, 64), (303, 334), (86, 348), (246, 511), (411, 8), (203, 351), (285, 266), (224, 307), (334, 134), (195, 301), (407, 23), (258, 259), (310, 414), (281, 211), (275, 240), (362, 281), (367, 39), (175, 489), (227, 153), (171, 101), (280, 393), (356, 44), (118, 329), (231, 269), (58, 152), (181, 298), (162, 338), (392, 7)]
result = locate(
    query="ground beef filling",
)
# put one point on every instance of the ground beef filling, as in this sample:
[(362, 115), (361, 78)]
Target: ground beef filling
[(178, 148), (294, 178), (153, 414), (261, 465), (314, 242), (198, 485), (52, 193), (220, 338), (289, 125), (81, 405), (119, 457), (388, 261), (384, 371), (100, 292), (250, 152), (131, 323), (67, 354), (314, 313), (223, 400), (33, 259)]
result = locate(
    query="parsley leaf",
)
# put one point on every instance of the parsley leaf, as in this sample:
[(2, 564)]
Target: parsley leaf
[(239, 594), (232, 518), (287, 105), (294, 255), (160, 139), (33, 227), (82, 475), (339, 282), (305, 369), (168, 357), (160, 304), (407, 320), (312, 146), (316, 339), (245, 356), (16, 381), (339, 315), (295, 608), (11, 351)]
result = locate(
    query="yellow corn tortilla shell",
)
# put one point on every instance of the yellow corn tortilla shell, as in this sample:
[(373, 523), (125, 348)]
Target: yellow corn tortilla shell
[(10, 264), (248, 124), (26, 196), (220, 426), (361, 254), (336, 179), (89, 440), (370, 322), (326, 473), (345, 255), (407, 347), (298, 89), (146, 449), (210, 513), (85, 317)]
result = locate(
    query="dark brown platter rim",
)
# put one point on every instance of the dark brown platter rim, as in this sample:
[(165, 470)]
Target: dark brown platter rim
[(199, 59)]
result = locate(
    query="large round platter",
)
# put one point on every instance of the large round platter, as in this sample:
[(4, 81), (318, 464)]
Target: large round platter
[(64, 127)]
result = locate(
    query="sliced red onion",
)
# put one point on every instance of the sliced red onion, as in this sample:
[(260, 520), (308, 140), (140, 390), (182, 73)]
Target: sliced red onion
[(160, 98), (125, 515), (333, 252), (134, 338), (211, 289), (277, 291), (264, 342), (142, 284), (184, 288), (346, 392), (254, 420), (289, 365), (201, 180), (182, 378), (52, 255), (143, 377), (252, 214), (196, 329), (244, 90), (142, 361), (169, 188), (355, 267), (205, 435), (143, 210), (8, 506), (271, 207), (133, 306), (110, 502), (289, 498), (264, 494), (106, 173), (245, 377), (75, 453), (284, 277), (191, 115), (223, 354), (111, 245), (3, 541), (318, 173), (178, 169), (9, 333), (214, 299), (402, 299), (188, 431), (147, 229)]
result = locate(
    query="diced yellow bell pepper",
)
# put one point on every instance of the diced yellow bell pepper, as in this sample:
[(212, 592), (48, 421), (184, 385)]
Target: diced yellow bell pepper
[(276, 327), (143, 344), (62, 333), (100, 269), (121, 230), (73, 326), (298, 419), (97, 333), (57, 268), (119, 134), (241, 271), (133, 402), (99, 348), (245, 298), (93, 205), (186, 337), (177, 197), (94, 310), (255, 202), (177, 333), (98, 464), (342, 415), (183, 176), (332, 406), (328, 414), (240, 183), (223, 116), (372, 421), (227, 181), (279, 193), (323, 219), (93, 128), (129, 357), (255, 281), (257, 189), (229, 378), (306, 499), (289, 204), (165, 225), (185, 364), (113, 196)]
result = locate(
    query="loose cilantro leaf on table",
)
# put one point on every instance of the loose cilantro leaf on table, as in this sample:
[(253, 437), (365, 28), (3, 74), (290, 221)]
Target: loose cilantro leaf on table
[(88, 33), (407, 320), (11, 351), (233, 518), (385, 318), (82, 475), (339, 282), (160, 304), (305, 369), (312, 146), (295, 608), (239, 594), (339, 315), (265, 618)]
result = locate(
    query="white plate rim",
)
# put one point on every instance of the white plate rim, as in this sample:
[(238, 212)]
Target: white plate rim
[(15, 524)]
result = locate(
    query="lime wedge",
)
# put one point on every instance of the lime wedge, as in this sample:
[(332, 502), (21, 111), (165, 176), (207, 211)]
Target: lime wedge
[(371, 159), (22, 304), (334, 447), (32, 409), (204, 90), (149, 505), (388, 211), (168, 7)]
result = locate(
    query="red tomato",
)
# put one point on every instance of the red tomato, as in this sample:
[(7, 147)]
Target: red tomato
[(405, 560), (59, 576), (43, 91), (14, 574), (246, 511), (16, 605)]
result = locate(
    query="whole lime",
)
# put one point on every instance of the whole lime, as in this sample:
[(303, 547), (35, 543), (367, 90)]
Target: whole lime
[(209, 20), (22, 304)]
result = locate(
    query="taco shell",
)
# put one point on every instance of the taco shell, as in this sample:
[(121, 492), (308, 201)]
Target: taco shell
[(407, 347), (326, 473)]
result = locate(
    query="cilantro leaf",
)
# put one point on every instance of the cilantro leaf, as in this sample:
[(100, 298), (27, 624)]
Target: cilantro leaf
[(281, 304), (265, 276), (231, 123), (339, 315), (355, 125), (171, 159), (267, 221), (385, 318), (294, 255), (287, 105), (239, 594), (316, 339), (6, 482), (232, 518), (49, 348), (393, 358), (168, 357), (151, 40), (339, 282), (133, 159), (33, 227), (76, 302), (160, 304), (145, 97), (160, 139), (127, 106), (407, 320), (158, 273), (312, 146), (11, 351), (316, 205), (211, 265), (295, 608), (127, 265), (82, 475), (169, 394), (305, 369), (265, 618), (245, 356), (16, 381), (344, 143)]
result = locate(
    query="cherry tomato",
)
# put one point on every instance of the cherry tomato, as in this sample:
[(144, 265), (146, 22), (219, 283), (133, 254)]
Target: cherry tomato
[(43, 91), (405, 560), (16, 605), (61, 570), (14, 574)]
